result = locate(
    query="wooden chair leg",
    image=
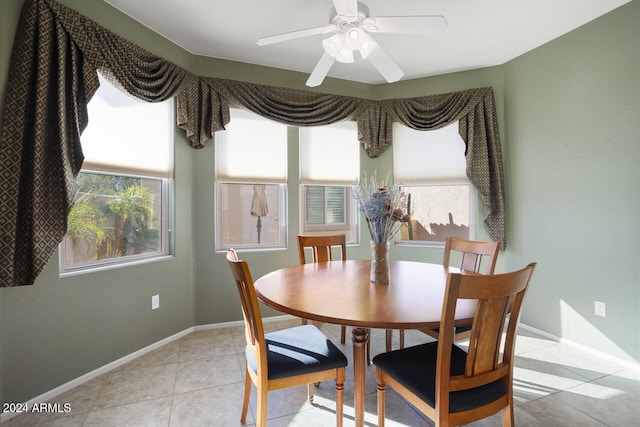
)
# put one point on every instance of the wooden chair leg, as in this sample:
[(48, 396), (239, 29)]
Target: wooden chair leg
[(508, 417), (381, 403), (261, 411), (247, 394), (340, 397), (343, 334), (401, 338), (389, 339), (368, 346), (310, 391)]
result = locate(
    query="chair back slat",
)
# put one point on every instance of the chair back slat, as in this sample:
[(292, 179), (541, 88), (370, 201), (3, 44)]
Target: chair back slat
[(483, 355), (472, 254), (471, 262), (321, 247)]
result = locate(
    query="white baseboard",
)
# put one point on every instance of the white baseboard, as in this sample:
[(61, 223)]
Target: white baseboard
[(241, 322), (626, 363), (117, 363)]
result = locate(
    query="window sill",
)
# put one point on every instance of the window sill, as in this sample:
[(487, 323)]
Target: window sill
[(111, 266)]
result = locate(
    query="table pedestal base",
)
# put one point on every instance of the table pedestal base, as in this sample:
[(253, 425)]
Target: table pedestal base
[(360, 337)]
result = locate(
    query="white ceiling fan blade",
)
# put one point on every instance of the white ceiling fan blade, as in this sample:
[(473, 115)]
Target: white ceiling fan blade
[(346, 8), (277, 38), (431, 24), (385, 65), (320, 71)]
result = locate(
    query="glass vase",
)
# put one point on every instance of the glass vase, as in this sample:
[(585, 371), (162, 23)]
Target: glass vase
[(379, 263)]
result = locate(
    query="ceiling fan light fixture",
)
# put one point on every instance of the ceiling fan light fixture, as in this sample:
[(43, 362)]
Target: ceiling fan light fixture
[(335, 46), (345, 55), (367, 46), (354, 37)]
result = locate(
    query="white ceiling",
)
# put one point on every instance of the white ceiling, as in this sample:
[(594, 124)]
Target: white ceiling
[(480, 33)]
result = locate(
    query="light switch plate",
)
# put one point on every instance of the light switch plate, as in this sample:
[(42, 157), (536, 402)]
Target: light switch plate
[(600, 308)]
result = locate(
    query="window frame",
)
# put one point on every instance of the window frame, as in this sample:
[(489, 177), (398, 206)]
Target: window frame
[(283, 221), (433, 182), (436, 243), (163, 174), (313, 167), (230, 176), (348, 211), (165, 232)]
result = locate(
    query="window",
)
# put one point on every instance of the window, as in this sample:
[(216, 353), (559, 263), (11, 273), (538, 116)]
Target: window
[(325, 206), (121, 210), (329, 166), (251, 175), (431, 166)]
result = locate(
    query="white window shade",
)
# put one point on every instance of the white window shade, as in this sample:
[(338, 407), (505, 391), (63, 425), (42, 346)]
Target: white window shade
[(119, 141), (330, 154), (251, 149), (428, 157)]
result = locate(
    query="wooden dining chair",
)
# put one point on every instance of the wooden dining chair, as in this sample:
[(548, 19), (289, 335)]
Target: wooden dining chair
[(285, 358), (472, 255), (322, 251), (448, 384)]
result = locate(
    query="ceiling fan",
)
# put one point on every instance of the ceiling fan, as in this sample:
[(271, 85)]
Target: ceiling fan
[(350, 30)]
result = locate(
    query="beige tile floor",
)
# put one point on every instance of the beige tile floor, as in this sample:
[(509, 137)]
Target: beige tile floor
[(198, 381)]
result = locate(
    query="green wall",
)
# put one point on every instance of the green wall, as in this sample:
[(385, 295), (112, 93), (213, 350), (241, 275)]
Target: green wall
[(573, 161), (568, 121)]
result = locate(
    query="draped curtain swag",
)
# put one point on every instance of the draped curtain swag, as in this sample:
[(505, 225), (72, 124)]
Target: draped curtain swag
[(53, 75)]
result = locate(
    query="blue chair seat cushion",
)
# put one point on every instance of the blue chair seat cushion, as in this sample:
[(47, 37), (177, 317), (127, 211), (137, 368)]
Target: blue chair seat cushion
[(415, 368), (298, 350)]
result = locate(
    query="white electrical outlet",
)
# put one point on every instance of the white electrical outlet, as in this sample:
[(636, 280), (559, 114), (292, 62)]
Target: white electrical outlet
[(155, 302), (600, 308)]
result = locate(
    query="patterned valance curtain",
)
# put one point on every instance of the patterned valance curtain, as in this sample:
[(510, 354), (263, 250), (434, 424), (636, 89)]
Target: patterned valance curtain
[(53, 75)]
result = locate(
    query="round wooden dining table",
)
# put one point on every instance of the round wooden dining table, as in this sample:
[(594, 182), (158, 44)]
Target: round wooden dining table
[(340, 292)]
